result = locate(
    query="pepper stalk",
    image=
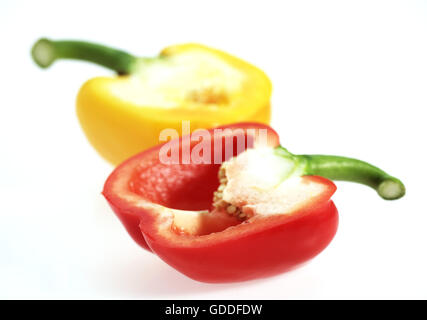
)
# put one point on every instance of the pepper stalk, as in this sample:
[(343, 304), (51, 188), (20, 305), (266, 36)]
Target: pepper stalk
[(45, 52), (346, 169)]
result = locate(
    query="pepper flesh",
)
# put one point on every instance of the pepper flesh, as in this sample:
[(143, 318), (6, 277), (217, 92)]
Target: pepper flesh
[(121, 117), (152, 199)]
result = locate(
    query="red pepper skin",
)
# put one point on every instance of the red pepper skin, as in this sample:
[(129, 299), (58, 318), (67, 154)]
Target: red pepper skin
[(140, 188), (275, 248)]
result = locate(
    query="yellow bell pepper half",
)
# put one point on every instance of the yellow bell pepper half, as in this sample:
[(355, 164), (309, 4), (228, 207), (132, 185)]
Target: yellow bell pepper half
[(124, 114)]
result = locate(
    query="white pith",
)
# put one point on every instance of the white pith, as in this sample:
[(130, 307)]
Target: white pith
[(194, 77), (258, 183), (188, 221)]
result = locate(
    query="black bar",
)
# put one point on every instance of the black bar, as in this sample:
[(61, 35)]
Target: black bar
[(209, 309)]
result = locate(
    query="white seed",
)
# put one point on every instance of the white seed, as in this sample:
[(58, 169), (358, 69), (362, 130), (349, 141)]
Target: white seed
[(231, 209), (242, 215), (222, 203), (221, 173)]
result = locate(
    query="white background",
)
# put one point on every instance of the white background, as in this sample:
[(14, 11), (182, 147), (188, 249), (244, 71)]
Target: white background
[(350, 78)]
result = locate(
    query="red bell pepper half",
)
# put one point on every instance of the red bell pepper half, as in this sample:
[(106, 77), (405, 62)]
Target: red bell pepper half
[(168, 209)]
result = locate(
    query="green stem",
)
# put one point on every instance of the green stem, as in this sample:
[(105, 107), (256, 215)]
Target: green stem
[(348, 169), (45, 52)]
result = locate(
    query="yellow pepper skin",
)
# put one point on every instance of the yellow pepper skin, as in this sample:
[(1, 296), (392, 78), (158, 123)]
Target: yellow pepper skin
[(125, 114)]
